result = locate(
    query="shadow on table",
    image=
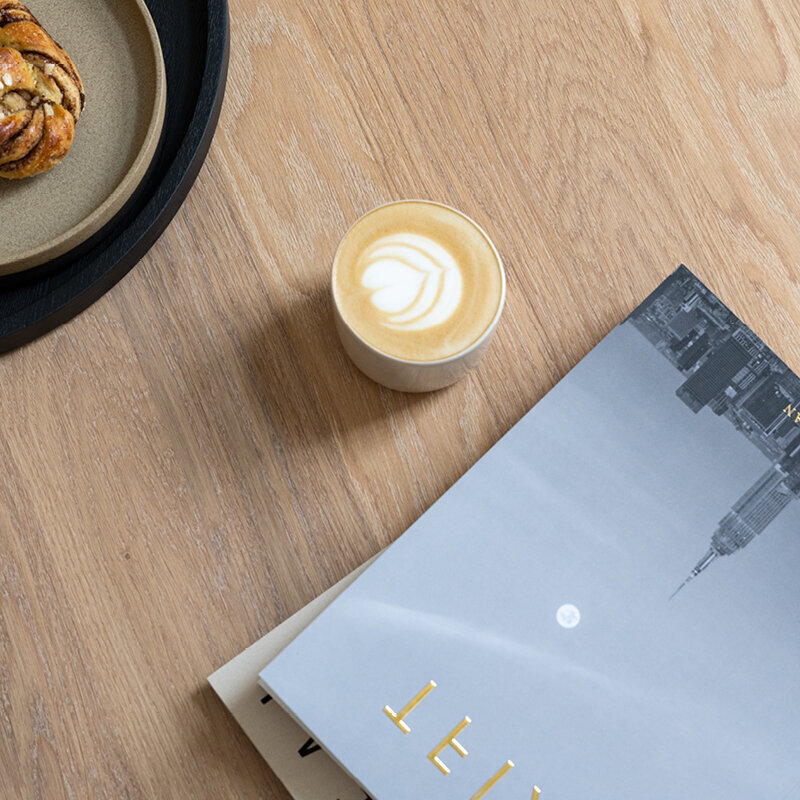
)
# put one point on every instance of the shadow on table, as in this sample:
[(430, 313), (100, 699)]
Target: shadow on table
[(213, 737), (307, 386), (277, 422)]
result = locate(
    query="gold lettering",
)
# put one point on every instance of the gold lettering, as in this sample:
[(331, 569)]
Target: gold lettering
[(449, 741), (797, 418), (789, 410), (484, 790), (398, 716)]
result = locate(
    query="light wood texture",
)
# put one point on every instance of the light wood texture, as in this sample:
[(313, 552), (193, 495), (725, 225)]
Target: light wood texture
[(194, 458)]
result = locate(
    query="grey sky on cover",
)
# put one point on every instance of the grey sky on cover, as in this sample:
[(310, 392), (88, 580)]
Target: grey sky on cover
[(604, 496)]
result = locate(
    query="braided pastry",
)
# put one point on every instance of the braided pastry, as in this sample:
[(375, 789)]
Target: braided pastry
[(41, 95)]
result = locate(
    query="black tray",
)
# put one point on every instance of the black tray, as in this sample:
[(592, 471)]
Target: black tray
[(195, 41)]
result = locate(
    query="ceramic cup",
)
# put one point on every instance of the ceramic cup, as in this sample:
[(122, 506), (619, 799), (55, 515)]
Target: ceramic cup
[(400, 371)]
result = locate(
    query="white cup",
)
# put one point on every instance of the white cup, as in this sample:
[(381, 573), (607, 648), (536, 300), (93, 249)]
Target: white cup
[(406, 375)]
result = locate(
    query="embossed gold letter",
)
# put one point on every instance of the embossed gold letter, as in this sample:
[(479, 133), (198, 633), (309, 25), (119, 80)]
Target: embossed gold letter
[(398, 717), (449, 741), (484, 790)]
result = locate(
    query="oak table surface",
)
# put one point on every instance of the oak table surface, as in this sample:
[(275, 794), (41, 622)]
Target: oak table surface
[(193, 459)]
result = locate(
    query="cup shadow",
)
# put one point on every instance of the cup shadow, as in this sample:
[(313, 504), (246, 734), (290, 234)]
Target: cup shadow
[(305, 382)]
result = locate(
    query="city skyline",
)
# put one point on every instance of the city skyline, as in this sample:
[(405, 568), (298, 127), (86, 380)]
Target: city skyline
[(728, 369)]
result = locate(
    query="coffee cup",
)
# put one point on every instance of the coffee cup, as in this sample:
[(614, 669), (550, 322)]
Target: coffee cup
[(418, 289)]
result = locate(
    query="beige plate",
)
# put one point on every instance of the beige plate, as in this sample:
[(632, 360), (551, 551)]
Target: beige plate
[(115, 47)]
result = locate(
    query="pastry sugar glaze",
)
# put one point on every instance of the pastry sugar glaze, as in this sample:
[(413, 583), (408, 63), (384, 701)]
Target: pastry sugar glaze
[(418, 280)]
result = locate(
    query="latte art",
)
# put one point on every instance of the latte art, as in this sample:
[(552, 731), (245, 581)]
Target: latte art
[(418, 281), (415, 282)]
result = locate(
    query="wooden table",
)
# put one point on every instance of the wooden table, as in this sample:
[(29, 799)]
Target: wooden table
[(194, 458)]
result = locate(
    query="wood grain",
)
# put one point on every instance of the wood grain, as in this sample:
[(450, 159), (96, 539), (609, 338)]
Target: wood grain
[(193, 459)]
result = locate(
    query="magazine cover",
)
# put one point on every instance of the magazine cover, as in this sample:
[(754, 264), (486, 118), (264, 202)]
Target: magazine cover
[(604, 606)]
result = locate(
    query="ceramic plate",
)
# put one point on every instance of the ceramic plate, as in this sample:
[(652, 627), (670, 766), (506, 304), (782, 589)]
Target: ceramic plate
[(115, 47)]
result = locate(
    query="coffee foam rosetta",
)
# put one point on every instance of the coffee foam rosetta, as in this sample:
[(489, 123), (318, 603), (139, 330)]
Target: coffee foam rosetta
[(417, 280)]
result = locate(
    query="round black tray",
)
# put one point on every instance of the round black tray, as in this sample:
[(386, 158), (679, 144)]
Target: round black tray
[(195, 40)]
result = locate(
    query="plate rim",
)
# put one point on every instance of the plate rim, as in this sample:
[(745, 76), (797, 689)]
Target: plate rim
[(125, 188)]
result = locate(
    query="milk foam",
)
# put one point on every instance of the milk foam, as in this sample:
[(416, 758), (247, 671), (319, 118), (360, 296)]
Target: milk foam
[(415, 281)]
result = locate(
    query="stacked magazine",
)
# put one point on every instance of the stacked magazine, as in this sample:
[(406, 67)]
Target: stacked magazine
[(604, 606)]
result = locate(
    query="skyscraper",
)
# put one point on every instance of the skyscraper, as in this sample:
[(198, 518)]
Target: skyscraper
[(750, 515), (714, 376)]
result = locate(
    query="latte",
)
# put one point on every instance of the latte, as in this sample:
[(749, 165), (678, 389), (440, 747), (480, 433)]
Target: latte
[(418, 281)]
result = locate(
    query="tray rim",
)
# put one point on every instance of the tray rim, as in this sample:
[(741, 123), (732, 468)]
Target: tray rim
[(96, 219), (165, 199)]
